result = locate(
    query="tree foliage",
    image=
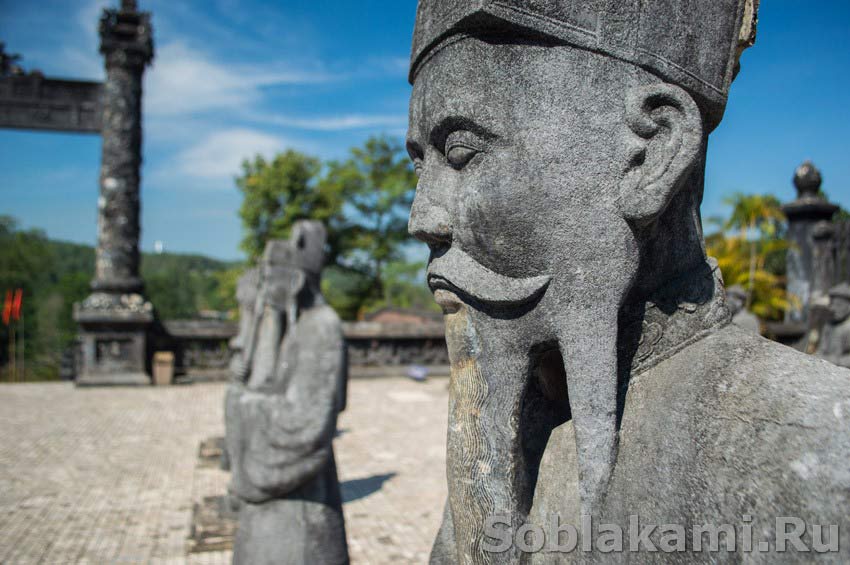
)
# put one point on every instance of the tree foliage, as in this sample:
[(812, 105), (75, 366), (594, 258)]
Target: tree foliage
[(56, 274), (364, 202), (750, 249), (279, 192)]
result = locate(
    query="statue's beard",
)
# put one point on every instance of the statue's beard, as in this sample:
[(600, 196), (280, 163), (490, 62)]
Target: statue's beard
[(500, 416)]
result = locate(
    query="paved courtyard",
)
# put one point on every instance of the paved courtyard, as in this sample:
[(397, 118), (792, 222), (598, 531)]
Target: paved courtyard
[(111, 475)]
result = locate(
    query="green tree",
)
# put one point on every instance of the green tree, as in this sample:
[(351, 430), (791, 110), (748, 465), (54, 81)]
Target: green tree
[(750, 249), (279, 192), (758, 219), (364, 202), (378, 184)]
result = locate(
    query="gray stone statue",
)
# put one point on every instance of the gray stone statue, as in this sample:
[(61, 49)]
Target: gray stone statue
[(281, 411), (736, 299), (834, 344), (247, 289), (561, 148)]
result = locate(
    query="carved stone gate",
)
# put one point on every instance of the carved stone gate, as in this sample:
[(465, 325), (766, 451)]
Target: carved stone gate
[(116, 320)]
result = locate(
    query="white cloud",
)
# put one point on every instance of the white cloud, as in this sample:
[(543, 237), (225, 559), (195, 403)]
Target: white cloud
[(187, 81), (336, 123), (217, 158), (79, 57)]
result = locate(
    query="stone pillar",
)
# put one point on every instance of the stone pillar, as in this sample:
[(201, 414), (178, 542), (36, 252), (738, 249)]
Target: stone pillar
[(811, 262), (115, 321)]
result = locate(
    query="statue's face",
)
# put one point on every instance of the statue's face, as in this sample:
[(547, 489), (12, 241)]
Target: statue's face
[(840, 308), (281, 284), (519, 150), (522, 152)]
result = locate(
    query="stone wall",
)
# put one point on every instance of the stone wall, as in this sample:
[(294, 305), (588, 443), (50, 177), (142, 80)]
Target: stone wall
[(201, 350)]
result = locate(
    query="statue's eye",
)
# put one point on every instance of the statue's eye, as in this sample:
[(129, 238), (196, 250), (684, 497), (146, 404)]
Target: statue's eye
[(459, 154)]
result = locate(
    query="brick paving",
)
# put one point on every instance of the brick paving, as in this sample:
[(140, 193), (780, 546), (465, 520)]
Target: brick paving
[(110, 475)]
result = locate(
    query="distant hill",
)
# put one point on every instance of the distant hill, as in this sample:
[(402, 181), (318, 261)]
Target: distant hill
[(179, 285), (55, 274)]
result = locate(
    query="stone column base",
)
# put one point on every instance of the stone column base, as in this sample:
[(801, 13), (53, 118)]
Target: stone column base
[(115, 336)]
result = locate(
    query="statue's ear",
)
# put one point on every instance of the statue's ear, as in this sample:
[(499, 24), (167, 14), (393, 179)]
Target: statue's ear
[(668, 140)]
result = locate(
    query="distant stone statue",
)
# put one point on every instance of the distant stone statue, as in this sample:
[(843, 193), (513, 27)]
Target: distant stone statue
[(247, 289), (561, 149), (736, 299), (281, 411), (834, 343)]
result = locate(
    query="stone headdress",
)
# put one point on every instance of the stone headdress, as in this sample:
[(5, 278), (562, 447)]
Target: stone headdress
[(305, 248), (695, 44)]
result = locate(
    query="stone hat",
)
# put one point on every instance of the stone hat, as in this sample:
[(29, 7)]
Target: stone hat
[(305, 248), (695, 44), (840, 291)]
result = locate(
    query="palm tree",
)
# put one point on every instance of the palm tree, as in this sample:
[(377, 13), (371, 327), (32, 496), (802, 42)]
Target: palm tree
[(757, 217)]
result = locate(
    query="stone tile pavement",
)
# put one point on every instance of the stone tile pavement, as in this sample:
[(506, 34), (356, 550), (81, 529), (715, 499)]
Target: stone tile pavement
[(110, 475)]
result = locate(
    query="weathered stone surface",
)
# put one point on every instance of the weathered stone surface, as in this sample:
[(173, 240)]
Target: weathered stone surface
[(31, 101), (561, 151), (281, 412)]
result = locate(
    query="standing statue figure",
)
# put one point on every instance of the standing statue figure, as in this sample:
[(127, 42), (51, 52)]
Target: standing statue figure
[(834, 345), (247, 289), (561, 148), (281, 412), (736, 300)]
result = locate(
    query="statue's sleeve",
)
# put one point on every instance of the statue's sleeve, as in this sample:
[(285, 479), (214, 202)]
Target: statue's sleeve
[(288, 436)]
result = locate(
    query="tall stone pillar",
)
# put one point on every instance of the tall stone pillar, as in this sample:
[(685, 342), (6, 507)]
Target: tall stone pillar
[(811, 263), (116, 320)]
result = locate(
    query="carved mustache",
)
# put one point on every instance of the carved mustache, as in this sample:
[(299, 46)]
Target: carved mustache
[(456, 271)]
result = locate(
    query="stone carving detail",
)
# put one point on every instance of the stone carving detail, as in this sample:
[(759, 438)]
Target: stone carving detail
[(127, 45), (561, 152), (281, 409), (31, 101), (118, 303)]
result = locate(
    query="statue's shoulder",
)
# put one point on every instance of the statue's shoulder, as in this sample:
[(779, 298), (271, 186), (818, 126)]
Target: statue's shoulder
[(733, 379), (750, 416), (743, 357)]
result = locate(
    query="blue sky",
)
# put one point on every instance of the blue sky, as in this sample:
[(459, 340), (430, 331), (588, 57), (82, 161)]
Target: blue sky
[(237, 77)]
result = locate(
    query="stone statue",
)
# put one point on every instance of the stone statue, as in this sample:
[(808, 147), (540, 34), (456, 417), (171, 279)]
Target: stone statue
[(247, 289), (834, 345), (281, 411), (561, 148), (736, 299)]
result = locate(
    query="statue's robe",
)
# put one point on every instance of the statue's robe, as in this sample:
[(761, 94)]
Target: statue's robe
[(714, 427), (280, 439), (733, 425)]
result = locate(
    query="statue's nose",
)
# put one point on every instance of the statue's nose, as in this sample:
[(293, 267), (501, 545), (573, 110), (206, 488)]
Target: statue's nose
[(429, 222)]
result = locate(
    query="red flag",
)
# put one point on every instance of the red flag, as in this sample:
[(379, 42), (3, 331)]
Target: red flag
[(16, 304), (7, 308)]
